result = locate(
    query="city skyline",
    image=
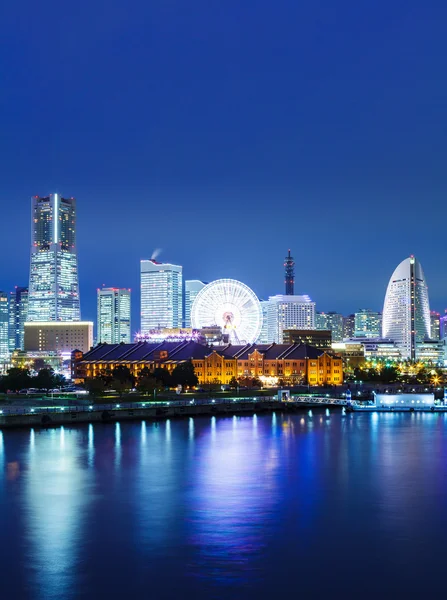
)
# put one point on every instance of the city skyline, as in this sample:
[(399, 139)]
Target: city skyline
[(136, 306)]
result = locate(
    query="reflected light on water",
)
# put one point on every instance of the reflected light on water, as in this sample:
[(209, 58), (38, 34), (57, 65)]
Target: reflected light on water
[(117, 445)]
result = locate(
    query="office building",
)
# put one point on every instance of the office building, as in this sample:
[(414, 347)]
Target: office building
[(161, 295), (317, 338), (18, 312), (263, 336), (53, 284), (348, 327), (4, 326), (58, 337), (406, 310), (443, 325), (192, 288), (367, 323), (113, 320), (289, 312), (435, 325), (331, 321)]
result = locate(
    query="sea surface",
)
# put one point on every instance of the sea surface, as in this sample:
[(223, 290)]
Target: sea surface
[(318, 504)]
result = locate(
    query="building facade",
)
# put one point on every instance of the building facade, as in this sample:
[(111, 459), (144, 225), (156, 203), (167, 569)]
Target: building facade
[(62, 338), (435, 325), (113, 316), (348, 327), (161, 295), (192, 288), (53, 284), (286, 363), (406, 310), (4, 326), (18, 313), (318, 338), (367, 323), (288, 312), (331, 321)]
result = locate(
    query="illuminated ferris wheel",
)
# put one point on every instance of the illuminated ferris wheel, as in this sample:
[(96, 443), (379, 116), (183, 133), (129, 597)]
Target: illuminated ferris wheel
[(231, 305)]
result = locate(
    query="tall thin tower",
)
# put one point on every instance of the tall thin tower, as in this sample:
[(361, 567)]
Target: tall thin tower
[(53, 282), (289, 270)]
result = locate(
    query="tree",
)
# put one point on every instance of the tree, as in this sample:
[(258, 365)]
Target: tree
[(95, 385), (147, 385), (163, 377), (233, 383), (184, 375), (123, 374), (44, 380), (16, 379)]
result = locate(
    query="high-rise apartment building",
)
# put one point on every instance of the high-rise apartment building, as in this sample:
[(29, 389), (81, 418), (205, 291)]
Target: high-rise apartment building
[(435, 325), (18, 313), (289, 312), (406, 310), (192, 288), (4, 325), (161, 295), (331, 321), (113, 324), (53, 284), (348, 327), (367, 323)]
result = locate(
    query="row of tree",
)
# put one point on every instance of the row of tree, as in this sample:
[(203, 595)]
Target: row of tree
[(19, 379), (392, 374), (121, 379)]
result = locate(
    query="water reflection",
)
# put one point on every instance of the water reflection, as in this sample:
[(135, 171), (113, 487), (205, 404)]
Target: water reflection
[(227, 504), (56, 493)]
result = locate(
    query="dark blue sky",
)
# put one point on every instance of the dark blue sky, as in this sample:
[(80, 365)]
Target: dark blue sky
[(227, 132)]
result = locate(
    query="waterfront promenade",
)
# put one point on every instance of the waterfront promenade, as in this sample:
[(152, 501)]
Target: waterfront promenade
[(38, 415)]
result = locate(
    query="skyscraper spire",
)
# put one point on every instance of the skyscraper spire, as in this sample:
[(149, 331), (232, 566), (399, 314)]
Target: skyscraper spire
[(289, 271)]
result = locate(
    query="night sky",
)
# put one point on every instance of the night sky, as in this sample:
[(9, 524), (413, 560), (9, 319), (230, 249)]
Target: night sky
[(227, 132)]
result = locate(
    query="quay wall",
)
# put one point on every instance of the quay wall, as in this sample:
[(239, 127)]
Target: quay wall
[(127, 413)]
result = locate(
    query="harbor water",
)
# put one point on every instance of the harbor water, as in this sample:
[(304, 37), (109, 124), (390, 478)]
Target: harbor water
[(312, 504)]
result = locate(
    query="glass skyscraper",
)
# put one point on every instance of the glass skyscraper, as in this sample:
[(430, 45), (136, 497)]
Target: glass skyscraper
[(113, 316), (18, 314), (192, 288), (53, 284), (406, 310), (161, 295), (4, 325)]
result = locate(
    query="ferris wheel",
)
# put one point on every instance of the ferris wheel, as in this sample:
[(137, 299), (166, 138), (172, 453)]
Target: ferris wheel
[(231, 305)]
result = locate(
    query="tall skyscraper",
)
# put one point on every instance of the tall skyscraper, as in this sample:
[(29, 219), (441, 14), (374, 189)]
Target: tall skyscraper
[(161, 295), (435, 325), (289, 273), (331, 321), (289, 312), (406, 310), (367, 323), (192, 288), (53, 284), (4, 325), (113, 325), (18, 313)]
